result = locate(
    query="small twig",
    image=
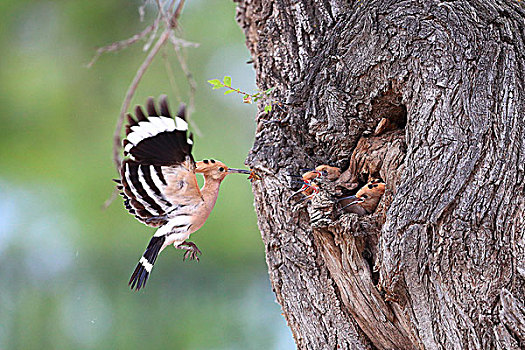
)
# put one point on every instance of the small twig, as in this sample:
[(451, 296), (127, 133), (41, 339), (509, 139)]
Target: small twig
[(173, 21), (153, 33), (247, 97), (178, 42), (161, 12), (237, 90), (142, 10), (119, 45), (110, 200)]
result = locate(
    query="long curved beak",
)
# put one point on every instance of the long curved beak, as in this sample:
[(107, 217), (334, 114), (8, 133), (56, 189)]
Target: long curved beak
[(352, 200), (238, 171)]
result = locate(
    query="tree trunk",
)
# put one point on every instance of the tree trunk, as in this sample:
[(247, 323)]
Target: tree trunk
[(441, 263)]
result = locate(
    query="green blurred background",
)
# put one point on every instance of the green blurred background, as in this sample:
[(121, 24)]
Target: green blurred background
[(65, 262)]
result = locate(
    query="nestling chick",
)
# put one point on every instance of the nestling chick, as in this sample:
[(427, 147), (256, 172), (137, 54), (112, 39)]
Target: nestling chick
[(365, 200), (310, 189), (329, 172)]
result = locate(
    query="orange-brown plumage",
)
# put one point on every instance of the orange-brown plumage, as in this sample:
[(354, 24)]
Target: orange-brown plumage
[(325, 171), (366, 199)]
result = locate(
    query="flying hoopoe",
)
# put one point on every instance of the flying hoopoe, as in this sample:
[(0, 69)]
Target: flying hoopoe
[(365, 200), (308, 188), (159, 185)]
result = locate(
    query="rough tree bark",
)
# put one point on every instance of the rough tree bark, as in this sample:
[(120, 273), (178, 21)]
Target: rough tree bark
[(441, 263)]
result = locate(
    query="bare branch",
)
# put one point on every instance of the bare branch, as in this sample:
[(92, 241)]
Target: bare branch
[(161, 12), (110, 200), (119, 45), (142, 10), (173, 21), (178, 42), (153, 34)]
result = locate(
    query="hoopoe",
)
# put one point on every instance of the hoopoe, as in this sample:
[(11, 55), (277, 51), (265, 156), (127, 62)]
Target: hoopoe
[(159, 185), (310, 189), (365, 200)]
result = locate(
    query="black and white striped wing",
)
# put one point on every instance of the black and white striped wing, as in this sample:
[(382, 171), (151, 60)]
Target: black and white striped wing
[(156, 146)]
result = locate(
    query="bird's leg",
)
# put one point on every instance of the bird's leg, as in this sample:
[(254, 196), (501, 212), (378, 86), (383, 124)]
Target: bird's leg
[(192, 251)]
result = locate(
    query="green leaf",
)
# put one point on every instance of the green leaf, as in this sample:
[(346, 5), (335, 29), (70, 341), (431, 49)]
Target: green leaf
[(267, 108), (227, 81), (215, 83), (228, 92), (267, 92)]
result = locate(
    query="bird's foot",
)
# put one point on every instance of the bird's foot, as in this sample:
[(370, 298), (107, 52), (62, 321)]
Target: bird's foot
[(192, 252)]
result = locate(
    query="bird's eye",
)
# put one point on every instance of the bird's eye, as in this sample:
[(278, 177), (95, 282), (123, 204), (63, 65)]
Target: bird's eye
[(221, 169), (364, 196)]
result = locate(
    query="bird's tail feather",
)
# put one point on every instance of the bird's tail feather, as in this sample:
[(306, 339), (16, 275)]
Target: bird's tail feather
[(140, 275)]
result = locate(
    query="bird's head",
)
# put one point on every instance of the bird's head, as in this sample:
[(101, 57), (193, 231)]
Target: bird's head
[(367, 197), (330, 172), (216, 170), (371, 192), (325, 171)]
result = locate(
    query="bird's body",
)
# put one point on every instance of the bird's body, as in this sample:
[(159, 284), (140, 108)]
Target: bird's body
[(159, 185)]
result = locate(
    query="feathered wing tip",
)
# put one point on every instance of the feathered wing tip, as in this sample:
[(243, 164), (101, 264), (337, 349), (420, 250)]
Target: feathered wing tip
[(140, 275), (139, 113), (157, 139), (150, 107), (182, 111), (164, 108)]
